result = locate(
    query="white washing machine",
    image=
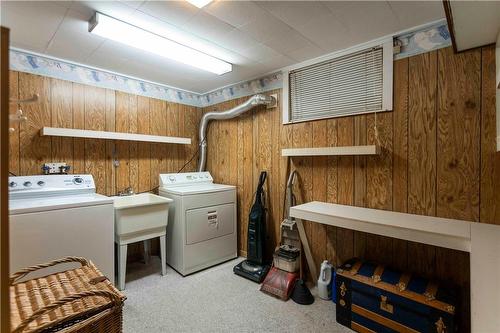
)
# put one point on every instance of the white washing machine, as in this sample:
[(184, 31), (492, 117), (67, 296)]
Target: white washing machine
[(54, 216), (201, 230)]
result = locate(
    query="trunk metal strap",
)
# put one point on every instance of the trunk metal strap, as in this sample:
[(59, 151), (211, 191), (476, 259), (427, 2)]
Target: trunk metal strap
[(377, 275), (403, 281)]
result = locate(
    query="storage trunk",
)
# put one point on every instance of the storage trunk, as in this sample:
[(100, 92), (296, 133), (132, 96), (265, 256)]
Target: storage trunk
[(372, 298)]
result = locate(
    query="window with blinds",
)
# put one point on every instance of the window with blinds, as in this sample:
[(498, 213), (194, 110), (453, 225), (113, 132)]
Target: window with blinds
[(346, 85)]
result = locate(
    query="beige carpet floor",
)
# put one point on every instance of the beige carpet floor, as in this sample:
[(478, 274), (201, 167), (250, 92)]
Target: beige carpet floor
[(214, 300)]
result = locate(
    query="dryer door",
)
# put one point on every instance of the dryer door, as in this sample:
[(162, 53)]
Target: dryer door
[(209, 222)]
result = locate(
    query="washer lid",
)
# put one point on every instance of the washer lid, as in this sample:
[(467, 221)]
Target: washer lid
[(31, 205), (196, 189)]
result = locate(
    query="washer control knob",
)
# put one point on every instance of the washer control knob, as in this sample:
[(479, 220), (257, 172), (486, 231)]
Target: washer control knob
[(78, 180), (172, 178), (41, 183), (195, 177), (27, 184), (12, 184)]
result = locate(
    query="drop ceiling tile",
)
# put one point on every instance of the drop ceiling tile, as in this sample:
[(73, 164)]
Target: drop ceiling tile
[(237, 40), (414, 13), (289, 41), (61, 3), (72, 40), (109, 55), (265, 28), (133, 4), (116, 9), (32, 23), (207, 26), (305, 53), (166, 72), (173, 12), (366, 20), (271, 64), (236, 13), (59, 47), (77, 23), (293, 12), (258, 52), (27, 47), (327, 32)]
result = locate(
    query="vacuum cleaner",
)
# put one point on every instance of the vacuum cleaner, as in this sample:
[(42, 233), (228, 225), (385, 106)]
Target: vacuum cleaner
[(254, 267), (283, 281)]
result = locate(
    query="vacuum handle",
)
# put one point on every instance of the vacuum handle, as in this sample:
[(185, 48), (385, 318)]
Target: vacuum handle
[(262, 179)]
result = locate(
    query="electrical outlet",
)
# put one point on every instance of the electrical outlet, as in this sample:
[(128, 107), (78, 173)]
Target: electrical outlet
[(51, 168)]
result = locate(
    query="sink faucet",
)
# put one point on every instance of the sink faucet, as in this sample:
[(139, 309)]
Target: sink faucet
[(126, 192)]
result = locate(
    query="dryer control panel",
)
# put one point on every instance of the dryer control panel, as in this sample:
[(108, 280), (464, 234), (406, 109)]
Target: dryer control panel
[(173, 179)]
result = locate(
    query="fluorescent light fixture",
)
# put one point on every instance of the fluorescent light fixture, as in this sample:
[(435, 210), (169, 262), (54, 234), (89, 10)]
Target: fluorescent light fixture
[(199, 3), (111, 28)]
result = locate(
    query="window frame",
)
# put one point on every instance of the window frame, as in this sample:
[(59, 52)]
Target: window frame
[(387, 77)]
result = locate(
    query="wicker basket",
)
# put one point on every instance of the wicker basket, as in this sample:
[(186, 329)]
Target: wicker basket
[(77, 300)]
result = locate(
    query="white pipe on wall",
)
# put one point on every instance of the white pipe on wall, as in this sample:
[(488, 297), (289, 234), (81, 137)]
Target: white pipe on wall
[(255, 100)]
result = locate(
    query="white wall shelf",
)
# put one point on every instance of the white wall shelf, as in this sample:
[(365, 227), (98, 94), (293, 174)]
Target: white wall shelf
[(325, 151), (453, 234), (79, 133), (479, 239)]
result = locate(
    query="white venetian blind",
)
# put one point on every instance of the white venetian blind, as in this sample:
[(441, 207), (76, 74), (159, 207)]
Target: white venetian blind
[(342, 86)]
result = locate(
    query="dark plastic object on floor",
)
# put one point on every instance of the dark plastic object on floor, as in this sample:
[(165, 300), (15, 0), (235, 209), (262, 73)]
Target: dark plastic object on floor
[(301, 294), (251, 271)]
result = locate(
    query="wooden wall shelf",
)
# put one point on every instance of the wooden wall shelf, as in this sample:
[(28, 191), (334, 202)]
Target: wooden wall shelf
[(326, 151), (479, 239), (78, 133)]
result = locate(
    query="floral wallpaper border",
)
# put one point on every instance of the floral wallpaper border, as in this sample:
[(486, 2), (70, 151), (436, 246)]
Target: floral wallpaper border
[(426, 39), (429, 38), (269, 82), (46, 66)]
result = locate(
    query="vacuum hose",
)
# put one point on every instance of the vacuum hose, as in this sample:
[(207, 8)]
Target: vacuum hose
[(259, 99)]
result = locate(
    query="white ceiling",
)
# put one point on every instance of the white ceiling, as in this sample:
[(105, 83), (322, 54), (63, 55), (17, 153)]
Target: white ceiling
[(475, 23), (257, 37)]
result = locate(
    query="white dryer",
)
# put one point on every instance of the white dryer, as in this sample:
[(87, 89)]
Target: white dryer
[(202, 230), (54, 216)]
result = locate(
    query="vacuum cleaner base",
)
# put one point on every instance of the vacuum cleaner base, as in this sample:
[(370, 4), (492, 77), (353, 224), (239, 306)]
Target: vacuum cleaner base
[(279, 283), (251, 271)]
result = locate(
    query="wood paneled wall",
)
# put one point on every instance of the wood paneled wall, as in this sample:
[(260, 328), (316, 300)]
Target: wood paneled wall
[(438, 159), (73, 105)]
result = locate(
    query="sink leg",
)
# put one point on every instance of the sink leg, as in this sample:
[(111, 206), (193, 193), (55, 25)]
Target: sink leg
[(163, 249), (122, 265), (146, 251)]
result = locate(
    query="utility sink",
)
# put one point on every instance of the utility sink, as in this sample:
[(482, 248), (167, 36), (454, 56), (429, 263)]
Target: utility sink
[(140, 217), (140, 213)]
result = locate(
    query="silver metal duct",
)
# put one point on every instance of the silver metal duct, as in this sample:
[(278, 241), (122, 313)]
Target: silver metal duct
[(259, 99)]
